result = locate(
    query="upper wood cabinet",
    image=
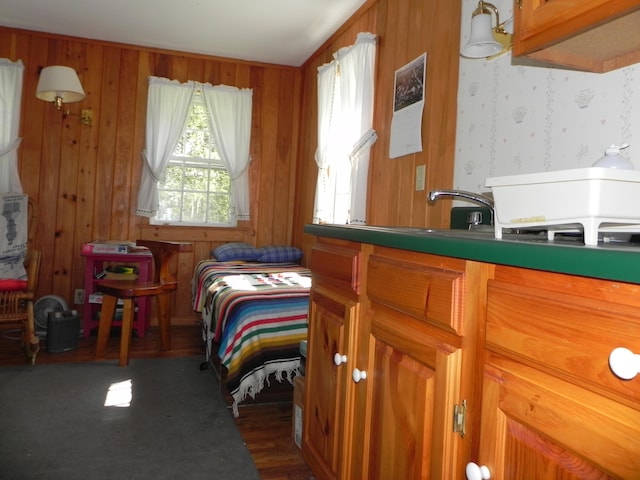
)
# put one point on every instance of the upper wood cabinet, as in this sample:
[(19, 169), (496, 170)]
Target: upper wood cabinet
[(590, 35)]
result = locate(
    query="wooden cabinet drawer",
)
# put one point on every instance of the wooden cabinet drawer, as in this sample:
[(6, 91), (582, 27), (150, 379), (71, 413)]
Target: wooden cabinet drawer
[(569, 336), (427, 293), (337, 264)]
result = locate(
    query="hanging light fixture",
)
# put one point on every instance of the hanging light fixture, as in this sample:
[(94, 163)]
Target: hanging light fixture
[(486, 41), (59, 84)]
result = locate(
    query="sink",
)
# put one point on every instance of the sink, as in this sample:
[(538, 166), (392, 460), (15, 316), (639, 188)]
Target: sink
[(482, 232)]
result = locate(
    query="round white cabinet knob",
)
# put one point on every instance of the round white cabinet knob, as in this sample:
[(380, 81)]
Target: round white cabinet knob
[(477, 472), (624, 363), (359, 375), (339, 359)]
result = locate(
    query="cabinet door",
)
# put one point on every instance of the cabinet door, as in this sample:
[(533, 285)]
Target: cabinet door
[(331, 318), (575, 33), (551, 407), (537, 426), (541, 22), (414, 383), (413, 324)]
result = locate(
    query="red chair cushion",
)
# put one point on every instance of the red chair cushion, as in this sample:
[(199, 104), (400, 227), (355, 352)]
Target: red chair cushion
[(12, 284)]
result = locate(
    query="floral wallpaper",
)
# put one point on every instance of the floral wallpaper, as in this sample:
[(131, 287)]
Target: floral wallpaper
[(515, 119)]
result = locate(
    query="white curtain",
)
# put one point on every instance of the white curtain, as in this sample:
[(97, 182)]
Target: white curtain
[(10, 96), (345, 133), (326, 150), (167, 107), (230, 110)]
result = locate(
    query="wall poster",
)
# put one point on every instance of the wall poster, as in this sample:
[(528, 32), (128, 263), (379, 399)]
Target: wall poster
[(408, 105)]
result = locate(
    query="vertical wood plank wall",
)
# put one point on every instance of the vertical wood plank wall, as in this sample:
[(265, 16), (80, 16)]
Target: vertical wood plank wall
[(405, 29), (85, 179)]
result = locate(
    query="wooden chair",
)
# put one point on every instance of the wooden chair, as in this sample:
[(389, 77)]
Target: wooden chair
[(16, 306), (163, 284)]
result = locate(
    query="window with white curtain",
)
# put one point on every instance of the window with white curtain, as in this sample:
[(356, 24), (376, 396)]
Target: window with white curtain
[(196, 155), (195, 188), (11, 74), (345, 133)]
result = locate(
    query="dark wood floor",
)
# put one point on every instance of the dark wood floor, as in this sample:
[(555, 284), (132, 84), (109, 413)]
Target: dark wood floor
[(265, 427)]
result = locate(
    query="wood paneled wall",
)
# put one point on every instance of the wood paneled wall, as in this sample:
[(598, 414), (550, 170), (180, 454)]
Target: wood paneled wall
[(85, 179), (405, 30)]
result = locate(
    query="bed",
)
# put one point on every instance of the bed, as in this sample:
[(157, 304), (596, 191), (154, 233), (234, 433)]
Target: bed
[(254, 316)]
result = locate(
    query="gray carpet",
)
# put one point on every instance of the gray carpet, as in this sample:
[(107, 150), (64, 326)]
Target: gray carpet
[(54, 423)]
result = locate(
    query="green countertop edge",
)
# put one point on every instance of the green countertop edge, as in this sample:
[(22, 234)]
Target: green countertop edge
[(604, 262)]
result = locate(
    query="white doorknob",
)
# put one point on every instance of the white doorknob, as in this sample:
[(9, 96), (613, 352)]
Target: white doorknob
[(339, 359), (358, 375), (624, 363), (477, 472)]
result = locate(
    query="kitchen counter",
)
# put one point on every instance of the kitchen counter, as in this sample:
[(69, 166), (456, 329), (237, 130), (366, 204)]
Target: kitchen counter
[(611, 261)]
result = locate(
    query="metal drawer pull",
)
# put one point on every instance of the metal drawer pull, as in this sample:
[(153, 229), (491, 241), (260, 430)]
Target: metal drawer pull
[(339, 359), (624, 363), (477, 472)]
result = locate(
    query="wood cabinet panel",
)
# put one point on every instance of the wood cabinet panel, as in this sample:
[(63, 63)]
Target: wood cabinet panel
[(578, 34), (337, 263), (404, 412), (537, 426), (384, 406), (330, 319), (430, 294), (564, 334), (414, 382), (551, 406)]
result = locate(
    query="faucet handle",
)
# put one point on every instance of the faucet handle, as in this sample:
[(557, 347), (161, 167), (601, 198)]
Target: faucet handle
[(474, 218)]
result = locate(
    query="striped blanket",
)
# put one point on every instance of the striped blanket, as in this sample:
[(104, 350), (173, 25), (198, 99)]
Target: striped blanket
[(256, 314)]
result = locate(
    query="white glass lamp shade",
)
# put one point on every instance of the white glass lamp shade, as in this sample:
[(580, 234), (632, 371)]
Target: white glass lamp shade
[(481, 42), (60, 85)]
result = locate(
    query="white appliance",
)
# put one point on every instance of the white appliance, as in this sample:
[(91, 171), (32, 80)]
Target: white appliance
[(590, 200)]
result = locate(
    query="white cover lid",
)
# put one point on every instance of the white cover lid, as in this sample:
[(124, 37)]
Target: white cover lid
[(591, 173)]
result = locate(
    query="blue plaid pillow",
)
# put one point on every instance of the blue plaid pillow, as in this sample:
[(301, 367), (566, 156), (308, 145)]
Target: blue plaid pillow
[(236, 251), (279, 254)]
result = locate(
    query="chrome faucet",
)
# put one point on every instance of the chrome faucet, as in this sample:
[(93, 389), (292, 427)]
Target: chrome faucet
[(473, 197)]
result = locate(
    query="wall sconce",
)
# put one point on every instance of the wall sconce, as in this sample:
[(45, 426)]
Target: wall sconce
[(486, 41), (58, 84)]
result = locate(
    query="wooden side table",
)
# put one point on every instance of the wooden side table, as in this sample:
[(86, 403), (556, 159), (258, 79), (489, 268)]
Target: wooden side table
[(94, 264)]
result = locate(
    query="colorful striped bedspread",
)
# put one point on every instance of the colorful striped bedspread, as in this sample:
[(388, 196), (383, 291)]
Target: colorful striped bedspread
[(256, 315)]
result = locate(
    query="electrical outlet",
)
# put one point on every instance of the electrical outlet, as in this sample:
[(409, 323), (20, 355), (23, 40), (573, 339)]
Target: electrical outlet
[(78, 296), (420, 177)]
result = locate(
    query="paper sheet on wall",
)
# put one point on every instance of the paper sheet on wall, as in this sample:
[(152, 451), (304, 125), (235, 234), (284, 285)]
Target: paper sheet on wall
[(408, 106), (13, 235)]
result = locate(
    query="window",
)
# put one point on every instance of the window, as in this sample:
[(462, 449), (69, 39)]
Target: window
[(195, 188), (345, 133), (203, 133)]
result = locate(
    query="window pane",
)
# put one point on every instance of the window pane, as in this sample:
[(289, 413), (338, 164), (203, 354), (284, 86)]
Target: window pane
[(195, 188), (172, 177), (170, 205), (196, 179), (220, 181), (194, 208), (219, 209)]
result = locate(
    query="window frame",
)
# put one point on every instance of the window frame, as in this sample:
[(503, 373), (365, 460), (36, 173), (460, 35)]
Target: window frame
[(184, 161)]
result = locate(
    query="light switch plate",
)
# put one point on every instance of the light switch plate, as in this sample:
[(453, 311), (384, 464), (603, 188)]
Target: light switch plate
[(420, 177)]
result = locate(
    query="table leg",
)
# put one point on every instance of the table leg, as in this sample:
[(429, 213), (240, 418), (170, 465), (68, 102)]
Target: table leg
[(104, 327)]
